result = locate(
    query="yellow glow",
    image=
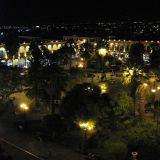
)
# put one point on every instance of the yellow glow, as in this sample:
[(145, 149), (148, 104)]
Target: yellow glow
[(158, 87), (119, 58), (153, 79), (25, 66), (3, 49), (24, 107), (145, 84), (49, 47), (103, 87), (95, 44), (84, 40), (27, 48), (55, 47), (153, 90), (21, 49), (111, 44), (81, 65), (6, 57), (87, 125), (126, 73), (83, 124), (131, 72), (102, 52), (59, 46)]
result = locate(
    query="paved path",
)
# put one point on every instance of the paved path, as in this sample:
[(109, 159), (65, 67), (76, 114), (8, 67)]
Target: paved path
[(22, 146)]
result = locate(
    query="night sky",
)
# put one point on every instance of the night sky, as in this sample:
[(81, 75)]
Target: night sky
[(37, 11)]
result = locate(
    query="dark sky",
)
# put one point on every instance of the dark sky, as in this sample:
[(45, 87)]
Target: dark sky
[(34, 11)]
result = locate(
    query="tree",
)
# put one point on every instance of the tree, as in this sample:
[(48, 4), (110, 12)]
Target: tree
[(132, 77), (136, 54), (155, 55), (11, 44), (35, 74), (9, 77), (55, 80), (143, 92), (115, 107), (81, 103), (76, 76), (141, 137), (95, 62), (115, 149), (54, 83), (63, 56)]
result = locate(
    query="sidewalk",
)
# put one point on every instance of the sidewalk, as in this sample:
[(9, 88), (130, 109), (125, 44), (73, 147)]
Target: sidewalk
[(30, 143)]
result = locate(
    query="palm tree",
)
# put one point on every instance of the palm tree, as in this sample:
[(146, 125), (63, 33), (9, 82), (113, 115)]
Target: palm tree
[(132, 77), (143, 92), (54, 83), (11, 44), (35, 74), (63, 56), (86, 51)]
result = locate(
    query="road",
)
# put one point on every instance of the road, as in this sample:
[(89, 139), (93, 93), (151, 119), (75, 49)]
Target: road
[(21, 145)]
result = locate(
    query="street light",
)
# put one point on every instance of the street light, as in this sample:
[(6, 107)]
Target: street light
[(81, 65), (24, 107), (102, 52), (134, 155), (153, 90), (86, 126), (103, 87), (145, 84)]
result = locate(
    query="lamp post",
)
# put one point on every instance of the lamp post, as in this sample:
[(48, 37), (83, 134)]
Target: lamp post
[(102, 52), (86, 126), (153, 90), (134, 155), (24, 108), (103, 86), (158, 89)]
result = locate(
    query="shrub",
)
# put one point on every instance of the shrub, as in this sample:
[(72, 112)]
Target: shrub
[(115, 149)]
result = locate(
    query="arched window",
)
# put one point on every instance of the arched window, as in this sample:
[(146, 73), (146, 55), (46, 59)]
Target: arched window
[(2, 52), (55, 47)]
